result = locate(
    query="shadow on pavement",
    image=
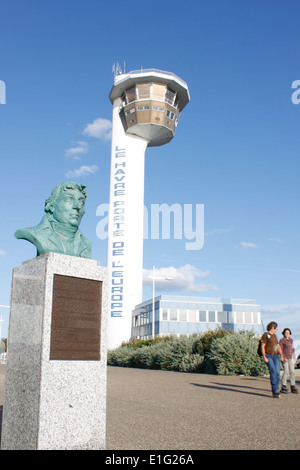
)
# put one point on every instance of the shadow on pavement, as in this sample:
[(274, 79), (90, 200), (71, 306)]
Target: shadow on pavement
[(229, 388)]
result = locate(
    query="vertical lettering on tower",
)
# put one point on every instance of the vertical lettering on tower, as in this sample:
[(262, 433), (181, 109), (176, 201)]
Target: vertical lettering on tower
[(118, 232)]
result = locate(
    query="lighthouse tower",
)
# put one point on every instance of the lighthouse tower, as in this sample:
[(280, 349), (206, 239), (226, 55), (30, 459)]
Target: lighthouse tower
[(146, 109)]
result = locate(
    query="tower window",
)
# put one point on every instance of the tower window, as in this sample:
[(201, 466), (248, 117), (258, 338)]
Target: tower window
[(143, 90), (170, 96), (170, 114), (130, 95), (158, 92), (158, 108)]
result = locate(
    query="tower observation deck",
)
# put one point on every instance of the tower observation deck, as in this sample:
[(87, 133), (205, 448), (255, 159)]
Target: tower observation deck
[(151, 104)]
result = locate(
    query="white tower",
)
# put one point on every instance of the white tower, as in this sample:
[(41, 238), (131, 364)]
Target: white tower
[(146, 109)]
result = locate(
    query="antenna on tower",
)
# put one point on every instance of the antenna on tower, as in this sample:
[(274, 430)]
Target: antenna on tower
[(116, 69)]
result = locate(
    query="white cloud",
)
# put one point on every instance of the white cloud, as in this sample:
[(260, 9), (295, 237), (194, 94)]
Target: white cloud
[(82, 171), (99, 128), (79, 148), (275, 239), (248, 245), (281, 308), (2, 253), (180, 279), (287, 316)]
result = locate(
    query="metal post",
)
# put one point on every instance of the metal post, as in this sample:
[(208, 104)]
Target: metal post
[(153, 303)]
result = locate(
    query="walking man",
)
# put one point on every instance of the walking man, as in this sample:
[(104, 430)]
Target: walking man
[(271, 352)]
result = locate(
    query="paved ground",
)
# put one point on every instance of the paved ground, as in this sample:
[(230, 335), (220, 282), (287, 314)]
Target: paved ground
[(157, 410)]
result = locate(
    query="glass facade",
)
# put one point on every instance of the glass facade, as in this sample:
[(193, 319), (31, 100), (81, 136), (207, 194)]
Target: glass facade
[(175, 315)]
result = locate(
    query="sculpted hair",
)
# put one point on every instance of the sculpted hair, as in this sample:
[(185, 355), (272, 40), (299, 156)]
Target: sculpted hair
[(51, 201)]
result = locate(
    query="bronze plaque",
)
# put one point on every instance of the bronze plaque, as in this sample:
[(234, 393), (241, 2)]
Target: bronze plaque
[(76, 319)]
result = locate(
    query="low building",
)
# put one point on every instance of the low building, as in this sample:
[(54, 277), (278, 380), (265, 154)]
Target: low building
[(180, 315)]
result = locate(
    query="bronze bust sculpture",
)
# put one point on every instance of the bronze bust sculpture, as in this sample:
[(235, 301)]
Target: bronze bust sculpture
[(59, 231)]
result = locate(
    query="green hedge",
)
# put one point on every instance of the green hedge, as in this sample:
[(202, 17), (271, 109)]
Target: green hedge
[(237, 354), (214, 352)]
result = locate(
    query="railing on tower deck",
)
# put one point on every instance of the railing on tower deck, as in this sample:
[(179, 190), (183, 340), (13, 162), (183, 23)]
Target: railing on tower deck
[(170, 74)]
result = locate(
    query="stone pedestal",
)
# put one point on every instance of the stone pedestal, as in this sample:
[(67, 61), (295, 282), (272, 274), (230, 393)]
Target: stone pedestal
[(55, 388)]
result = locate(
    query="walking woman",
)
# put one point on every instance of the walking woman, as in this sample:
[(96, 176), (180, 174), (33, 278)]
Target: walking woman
[(287, 348)]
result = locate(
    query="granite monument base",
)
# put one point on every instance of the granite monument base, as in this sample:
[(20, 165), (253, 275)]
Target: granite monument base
[(55, 387)]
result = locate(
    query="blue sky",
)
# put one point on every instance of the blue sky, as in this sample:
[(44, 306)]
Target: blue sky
[(236, 149)]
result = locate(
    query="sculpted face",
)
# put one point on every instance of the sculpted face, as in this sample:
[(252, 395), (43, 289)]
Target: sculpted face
[(58, 231), (69, 207)]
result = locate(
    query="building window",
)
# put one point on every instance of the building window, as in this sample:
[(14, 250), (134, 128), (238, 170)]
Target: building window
[(157, 314), (130, 95), (230, 317), (192, 315), (248, 317), (222, 317), (182, 315), (158, 92), (146, 316), (143, 108), (173, 314), (239, 317), (143, 90), (165, 314), (211, 317), (129, 111), (170, 114), (255, 317), (158, 108), (202, 316), (170, 96)]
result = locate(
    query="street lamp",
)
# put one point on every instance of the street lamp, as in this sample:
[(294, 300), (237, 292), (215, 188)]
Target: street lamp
[(153, 297), (1, 319)]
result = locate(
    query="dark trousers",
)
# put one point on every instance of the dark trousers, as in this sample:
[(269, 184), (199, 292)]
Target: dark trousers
[(274, 368)]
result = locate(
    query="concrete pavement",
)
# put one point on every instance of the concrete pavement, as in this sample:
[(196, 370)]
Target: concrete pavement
[(159, 410)]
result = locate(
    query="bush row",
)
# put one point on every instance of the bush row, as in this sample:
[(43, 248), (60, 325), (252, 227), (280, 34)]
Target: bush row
[(214, 352)]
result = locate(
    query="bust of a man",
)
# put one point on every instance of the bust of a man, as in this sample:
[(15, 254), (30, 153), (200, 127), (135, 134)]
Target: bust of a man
[(58, 231)]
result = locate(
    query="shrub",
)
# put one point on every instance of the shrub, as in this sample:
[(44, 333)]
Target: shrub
[(237, 354), (203, 341), (166, 353), (172, 352), (119, 357), (214, 352), (136, 343), (191, 363)]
